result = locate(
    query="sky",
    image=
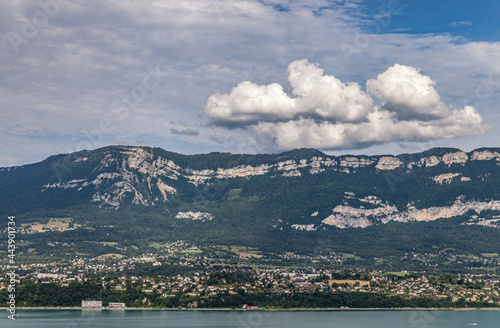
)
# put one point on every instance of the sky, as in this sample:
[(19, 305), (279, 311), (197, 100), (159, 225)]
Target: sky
[(248, 76)]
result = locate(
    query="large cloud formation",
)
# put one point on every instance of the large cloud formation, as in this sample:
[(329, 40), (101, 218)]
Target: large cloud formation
[(401, 104)]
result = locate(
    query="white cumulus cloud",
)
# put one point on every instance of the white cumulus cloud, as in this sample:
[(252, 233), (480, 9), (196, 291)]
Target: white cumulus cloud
[(315, 95), (323, 112), (408, 93)]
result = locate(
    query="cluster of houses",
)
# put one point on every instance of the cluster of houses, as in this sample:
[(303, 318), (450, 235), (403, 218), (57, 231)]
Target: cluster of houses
[(290, 281), (421, 286), (279, 280)]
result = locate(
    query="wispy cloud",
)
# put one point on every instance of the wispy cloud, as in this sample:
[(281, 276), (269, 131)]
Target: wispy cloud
[(186, 132), (460, 23)]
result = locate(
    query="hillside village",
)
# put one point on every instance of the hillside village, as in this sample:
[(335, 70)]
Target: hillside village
[(157, 278)]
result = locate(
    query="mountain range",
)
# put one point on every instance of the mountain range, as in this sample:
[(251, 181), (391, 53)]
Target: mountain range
[(299, 200)]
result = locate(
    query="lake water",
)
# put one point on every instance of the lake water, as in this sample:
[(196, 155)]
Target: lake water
[(250, 319)]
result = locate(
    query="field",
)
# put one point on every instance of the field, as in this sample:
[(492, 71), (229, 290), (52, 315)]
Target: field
[(489, 254), (159, 245), (112, 255), (246, 252), (52, 224)]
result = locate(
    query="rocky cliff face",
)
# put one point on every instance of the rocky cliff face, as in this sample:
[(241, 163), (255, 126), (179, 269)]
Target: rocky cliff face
[(350, 217), (116, 176)]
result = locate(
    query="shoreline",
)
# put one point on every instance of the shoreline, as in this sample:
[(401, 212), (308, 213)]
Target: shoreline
[(251, 310)]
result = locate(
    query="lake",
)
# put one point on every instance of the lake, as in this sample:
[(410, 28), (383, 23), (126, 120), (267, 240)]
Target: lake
[(250, 319)]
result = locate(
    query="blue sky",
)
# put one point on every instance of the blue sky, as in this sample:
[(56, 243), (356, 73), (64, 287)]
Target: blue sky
[(475, 20), (247, 76)]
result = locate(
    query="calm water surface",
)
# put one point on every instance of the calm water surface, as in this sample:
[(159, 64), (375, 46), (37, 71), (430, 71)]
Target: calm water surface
[(249, 319)]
